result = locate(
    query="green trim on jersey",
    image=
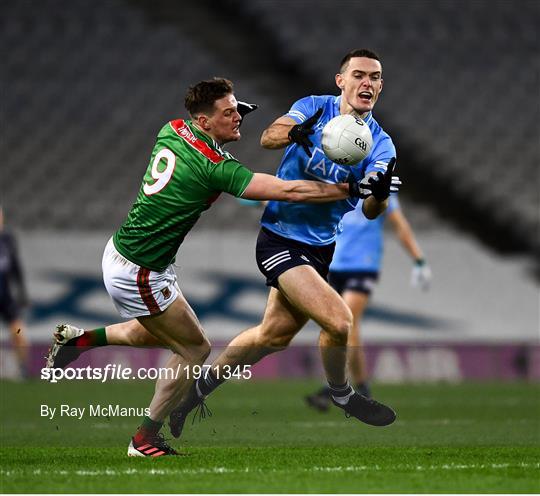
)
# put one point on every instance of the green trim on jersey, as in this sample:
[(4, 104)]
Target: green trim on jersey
[(186, 174)]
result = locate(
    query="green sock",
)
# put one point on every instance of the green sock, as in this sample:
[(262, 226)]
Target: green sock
[(151, 425), (89, 339), (100, 336), (148, 429)]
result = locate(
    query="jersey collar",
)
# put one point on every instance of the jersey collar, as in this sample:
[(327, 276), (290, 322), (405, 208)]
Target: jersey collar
[(207, 138), (200, 134)]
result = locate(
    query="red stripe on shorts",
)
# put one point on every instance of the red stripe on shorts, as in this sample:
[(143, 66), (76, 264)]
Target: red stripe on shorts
[(143, 283)]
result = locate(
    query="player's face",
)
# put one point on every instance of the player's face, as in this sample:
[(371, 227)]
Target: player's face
[(224, 123), (361, 84)]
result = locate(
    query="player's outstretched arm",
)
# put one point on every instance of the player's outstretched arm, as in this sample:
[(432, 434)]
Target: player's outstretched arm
[(268, 187), (285, 131), (375, 189), (276, 135)]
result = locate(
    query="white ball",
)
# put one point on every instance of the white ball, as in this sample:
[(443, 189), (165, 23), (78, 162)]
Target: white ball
[(346, 140)]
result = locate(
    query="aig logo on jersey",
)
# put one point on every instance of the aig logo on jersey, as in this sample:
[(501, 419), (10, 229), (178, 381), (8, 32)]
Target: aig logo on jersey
[(325, 170)]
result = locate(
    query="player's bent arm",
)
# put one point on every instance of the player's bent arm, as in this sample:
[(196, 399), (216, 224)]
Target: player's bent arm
[(268, 187), (276, 135), (372, 208), (405, 234)]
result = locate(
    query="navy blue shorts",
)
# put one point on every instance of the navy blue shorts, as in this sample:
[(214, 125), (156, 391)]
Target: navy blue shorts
[(276, 254), (359, 281)]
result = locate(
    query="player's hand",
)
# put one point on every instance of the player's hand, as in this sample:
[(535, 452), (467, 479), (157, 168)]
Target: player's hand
[(421, 275), (382, 185), (300, 133), (244, 109), (357, 189)]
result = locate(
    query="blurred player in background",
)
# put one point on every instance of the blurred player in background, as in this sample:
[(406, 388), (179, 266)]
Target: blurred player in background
[(296, 242), (354, 272), (13, 295), (187, 172)]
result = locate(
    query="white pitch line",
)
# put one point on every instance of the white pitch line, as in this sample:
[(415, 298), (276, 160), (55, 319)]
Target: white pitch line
[(225, 470), (435, 422)]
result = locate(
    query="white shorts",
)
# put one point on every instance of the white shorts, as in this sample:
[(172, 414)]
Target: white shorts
[(134, 290)]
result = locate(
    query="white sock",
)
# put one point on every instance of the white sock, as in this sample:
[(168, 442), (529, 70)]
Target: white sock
[(341, 394), (343, 400)]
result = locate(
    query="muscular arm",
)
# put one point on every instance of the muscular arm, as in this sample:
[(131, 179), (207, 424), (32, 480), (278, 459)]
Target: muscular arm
[(268, 187), (277, 134), (405, 234)]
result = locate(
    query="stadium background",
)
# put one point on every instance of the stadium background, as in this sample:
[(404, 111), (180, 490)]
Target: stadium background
[(86, 85)]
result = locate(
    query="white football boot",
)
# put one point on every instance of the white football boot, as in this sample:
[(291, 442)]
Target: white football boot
[(62, 334)]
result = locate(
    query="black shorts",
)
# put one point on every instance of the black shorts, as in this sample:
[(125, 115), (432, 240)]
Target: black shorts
[(276, 254), (361, 282)]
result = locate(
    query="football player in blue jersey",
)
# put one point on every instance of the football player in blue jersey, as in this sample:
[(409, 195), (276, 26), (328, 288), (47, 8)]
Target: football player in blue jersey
[(295, 245), (296, 242), (354, 272)]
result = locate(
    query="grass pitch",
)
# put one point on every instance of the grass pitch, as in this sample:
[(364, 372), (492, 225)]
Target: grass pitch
[(261, 438)]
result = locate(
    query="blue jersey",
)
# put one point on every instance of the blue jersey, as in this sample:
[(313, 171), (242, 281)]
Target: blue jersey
[(359, 246), (318, 224)]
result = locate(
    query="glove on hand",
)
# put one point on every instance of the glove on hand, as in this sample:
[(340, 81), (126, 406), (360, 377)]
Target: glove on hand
[(300, 133), (421, 275), (380, 186)]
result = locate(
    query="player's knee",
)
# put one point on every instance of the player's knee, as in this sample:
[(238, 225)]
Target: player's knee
[(279, 342), (204, 350), (339, 327), (198, 353), (194, 352), (274, 342)]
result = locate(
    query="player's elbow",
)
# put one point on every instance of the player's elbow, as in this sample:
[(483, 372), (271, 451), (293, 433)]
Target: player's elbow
[(265, 141), (282, 190)]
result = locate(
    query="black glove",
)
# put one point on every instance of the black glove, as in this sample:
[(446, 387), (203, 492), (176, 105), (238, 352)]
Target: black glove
[(380, 186), (300, 132), (244, 109), (357, 188)]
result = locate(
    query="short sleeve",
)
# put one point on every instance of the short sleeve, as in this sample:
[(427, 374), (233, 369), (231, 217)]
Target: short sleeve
[(231, 177), (302, 109), (380, 157)]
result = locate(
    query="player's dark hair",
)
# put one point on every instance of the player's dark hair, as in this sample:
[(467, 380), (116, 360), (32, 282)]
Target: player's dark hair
[(200, 97), (357, 52)]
